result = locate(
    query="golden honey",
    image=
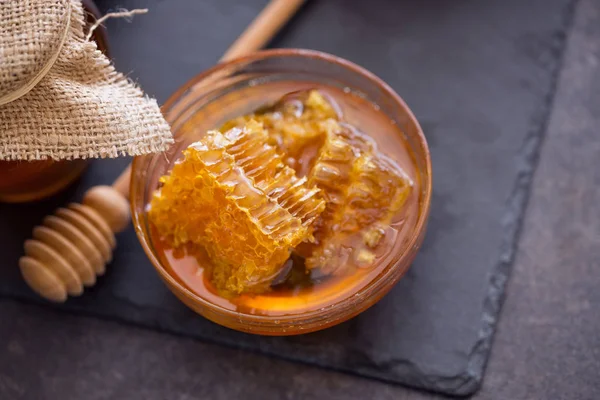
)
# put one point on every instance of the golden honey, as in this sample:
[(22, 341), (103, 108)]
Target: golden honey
[(332, 172)]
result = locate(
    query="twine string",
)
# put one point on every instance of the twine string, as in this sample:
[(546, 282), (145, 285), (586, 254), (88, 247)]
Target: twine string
[(127, 14)]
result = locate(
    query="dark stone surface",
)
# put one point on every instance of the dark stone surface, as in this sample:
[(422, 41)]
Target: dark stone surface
[(548, 342), (478, 76)]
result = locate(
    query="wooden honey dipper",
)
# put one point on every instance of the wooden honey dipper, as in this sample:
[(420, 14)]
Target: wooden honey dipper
[(73, 246)]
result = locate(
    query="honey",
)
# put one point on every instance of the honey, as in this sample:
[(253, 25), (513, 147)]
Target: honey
[(321, 139), (22, 181)]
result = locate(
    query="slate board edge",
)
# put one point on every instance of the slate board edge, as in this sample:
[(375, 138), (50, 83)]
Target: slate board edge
[(412, 378), (468, 383), (470, 380)]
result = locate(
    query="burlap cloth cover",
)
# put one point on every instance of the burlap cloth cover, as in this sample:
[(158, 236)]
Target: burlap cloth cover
[(60, 97)]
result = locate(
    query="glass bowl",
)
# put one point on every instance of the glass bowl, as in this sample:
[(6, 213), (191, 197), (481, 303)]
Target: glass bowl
[(238, 87)]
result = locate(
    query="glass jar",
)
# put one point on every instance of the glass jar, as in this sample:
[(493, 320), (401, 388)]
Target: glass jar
[(236, 88), (22, 181)]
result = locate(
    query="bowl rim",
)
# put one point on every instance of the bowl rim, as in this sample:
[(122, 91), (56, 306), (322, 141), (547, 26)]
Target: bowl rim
[(379, 282)]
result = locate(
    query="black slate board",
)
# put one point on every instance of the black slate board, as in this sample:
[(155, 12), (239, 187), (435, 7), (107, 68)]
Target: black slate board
[(480, 78)]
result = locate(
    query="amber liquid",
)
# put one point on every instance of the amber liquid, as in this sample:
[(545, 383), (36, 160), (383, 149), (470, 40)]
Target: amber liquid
[(22, 181), (300, 292)]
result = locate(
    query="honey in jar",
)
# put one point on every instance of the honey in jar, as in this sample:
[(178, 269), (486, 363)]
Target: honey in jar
[(22, 180), (289, 208)]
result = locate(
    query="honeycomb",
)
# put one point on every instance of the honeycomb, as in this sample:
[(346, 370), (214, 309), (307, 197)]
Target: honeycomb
[(363, 189), (292, 176), (232, 195)]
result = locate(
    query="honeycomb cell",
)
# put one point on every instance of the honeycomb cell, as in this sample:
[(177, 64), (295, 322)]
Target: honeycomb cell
[(233, 196), (296, 125)]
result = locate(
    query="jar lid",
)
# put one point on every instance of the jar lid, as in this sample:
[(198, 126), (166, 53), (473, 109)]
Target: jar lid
[(31, 35)]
